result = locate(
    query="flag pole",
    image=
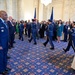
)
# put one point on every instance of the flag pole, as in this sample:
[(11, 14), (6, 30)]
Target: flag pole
[(51, 17), (35, 13)]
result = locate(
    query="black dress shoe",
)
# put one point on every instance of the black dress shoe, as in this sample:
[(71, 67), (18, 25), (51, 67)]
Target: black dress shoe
[(44, 44), (1, 72), (12, 46), (4, 73), (8, 69), (19, 38), (22, 40), (29, 40), (9, 47), (35, 43), (8, 57), (65, 40), (52, 48), (64, 50), (14, 42)]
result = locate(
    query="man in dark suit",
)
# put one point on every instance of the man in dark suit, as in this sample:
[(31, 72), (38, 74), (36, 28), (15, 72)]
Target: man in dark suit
[(11, 31), (29, 28), (14, 29), (4, 37), (65, 30), (47, 38), (42, 29)]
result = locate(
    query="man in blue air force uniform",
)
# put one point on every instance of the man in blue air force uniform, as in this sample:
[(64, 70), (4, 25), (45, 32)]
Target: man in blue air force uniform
[(50, 33), (71, 39), (21, 29), (4, 37), (33, 31)]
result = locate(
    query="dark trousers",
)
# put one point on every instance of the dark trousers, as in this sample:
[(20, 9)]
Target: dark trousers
[(11, 40), (46, 41), (50, 41), (21, 35), (65, 37), (41, 32), (29, 31), (69, 45), (55, 35), (25, 31), (3, 59), (14, 37), (34, 38)]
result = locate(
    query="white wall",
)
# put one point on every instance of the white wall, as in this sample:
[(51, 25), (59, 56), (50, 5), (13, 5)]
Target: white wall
[(24, 9), (63, 9)]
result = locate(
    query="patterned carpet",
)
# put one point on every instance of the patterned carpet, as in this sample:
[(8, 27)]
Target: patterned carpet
[(30, 59)]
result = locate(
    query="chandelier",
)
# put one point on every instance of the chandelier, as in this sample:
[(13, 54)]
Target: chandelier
[(46, 2)]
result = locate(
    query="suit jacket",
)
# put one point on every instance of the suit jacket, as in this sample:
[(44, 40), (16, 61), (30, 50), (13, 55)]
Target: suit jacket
[(28, 26), (65, 30), (10, 27), (73, 36), (4, 35), (42, 27)]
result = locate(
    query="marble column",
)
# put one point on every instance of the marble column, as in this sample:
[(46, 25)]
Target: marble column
[(9, 7), (41, 13), (45, 12), (72, 10), (66, 10), (3, 5), (20, 9), (14, 9), (26, 9)]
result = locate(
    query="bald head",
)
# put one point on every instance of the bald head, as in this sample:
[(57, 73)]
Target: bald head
[(3, 15), (10, 18)]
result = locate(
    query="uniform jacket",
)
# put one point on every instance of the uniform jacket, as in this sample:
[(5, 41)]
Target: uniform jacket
[(4, 35), (50, 29)]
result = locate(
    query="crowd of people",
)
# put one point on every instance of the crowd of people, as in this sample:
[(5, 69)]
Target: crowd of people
[(53, 30)]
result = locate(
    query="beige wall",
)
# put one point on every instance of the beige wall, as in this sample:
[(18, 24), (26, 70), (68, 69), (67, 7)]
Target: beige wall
[(63, 9), (24, 9), (20, 9), (2, 5)]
